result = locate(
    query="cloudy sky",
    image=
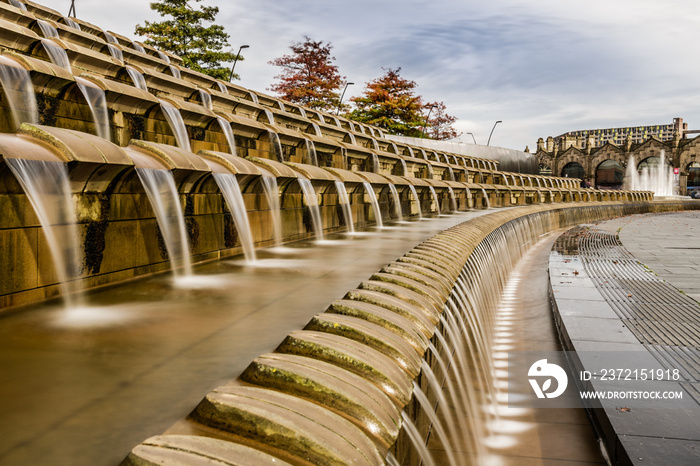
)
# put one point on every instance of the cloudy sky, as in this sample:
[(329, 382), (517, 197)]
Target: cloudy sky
[(543, 67)]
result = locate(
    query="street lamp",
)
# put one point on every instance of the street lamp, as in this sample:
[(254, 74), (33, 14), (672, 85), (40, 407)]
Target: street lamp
[(431, 107), (343, 95), (230, 79), (472, 135), (71, 12), (494, 127)]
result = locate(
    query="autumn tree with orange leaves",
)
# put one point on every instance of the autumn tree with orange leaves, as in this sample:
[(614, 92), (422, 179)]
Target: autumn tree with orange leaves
[(439, 123), (309, 76)]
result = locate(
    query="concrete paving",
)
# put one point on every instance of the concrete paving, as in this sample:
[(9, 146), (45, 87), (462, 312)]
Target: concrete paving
[(625, 297)]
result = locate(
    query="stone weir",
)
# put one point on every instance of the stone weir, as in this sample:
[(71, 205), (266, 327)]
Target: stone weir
[(344, 389), (163, 167)]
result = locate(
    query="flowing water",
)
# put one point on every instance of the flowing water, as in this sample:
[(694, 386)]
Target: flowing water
[(115, 52), (272, 195), (657, 178), (317, 129), (486, 198), (228, 184), (110, 38), (374, 203), (397, 201), (47, 188), (270, 116), (436, 199), (162, 193), (19, 92), (416, 199), (95, 98), (137, 78), (345, 205), (228, 132), (175, 71), (453, 198), (312, 203), (177, 125), (47, 29), (311, 158), (375, 162), (205, 97), (276, 145), (57, 55)]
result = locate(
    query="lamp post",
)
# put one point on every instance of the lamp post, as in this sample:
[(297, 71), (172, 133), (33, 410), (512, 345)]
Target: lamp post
[(340, 102), (494, 127), (230, 79), (472, 135), (71, 11), (431, 107)]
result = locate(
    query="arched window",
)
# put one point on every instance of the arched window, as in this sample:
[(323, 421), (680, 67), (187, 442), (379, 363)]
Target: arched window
[(609, 175), (573, 170), (694, 180)]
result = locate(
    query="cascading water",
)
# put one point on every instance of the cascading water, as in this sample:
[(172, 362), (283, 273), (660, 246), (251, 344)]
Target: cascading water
[(175, 71), (222, 87), (47, 29), (115, 52), (317, 129), (205, 97), (311, 157), (57, 55), (228, 184), (312, 202), (228, 132), (374, 203), (71, 23), (162, 194), (46, 185), (138, 47), (110, 38), (272, 195), (375, 163), (18, 4), (404, 167), (417, 200), (486, 198), (270, 116), (453, 198), (177, 125), (345, 205), (397, 201), (95, 98), (656, 178), (137, 78), (253, 97), (436, 199), (19, 92), (163, 56), (276, 145)]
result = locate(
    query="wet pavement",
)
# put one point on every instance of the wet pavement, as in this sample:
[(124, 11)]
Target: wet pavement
[(83, 386), (624, 292)]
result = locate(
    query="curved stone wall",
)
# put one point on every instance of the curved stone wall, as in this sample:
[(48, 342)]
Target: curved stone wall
[(334, 392)]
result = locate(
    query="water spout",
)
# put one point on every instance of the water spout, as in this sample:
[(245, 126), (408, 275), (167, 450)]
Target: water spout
[(345, 205), (436, 199), (417, 199), (228, 132), (228, 184), (655, 178), (57, 55), (374, 203), (273, 200), (177, 125), (162, 194), (311, 158), (397, 201), (137, 78), (115, 52), (312, 203), (19, 91), (47, 29), (95, 98), (46, 185), (276, 145)]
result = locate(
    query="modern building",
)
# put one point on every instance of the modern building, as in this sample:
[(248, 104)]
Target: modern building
[(581, 139)]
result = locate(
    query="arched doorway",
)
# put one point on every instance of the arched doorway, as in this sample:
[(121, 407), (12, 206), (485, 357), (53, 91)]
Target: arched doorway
[(609, 175), (573, 170), (693, 180)]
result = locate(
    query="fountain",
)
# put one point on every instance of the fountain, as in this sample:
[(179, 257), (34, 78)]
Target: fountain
[(657, 178), (397, 201), (234, 198), (311, 158), (56, 54), (272, 195), (312, 203), (48, 30), (374, 203), (345, 205), (417, 200), (46, 185), (95, 98), (228, 132), (177, 125), (162, 193), (19, 92), (115, 52), (137, 78), (205, 98), (276, 145), (436, 199), (70, 22)]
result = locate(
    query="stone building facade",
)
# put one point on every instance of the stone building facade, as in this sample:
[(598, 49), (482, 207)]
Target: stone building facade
[(606, 165)]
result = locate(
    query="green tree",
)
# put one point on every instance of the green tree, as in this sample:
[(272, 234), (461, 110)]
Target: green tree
[(390, 102), (439, 123), (309, 76), (186, 34)]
